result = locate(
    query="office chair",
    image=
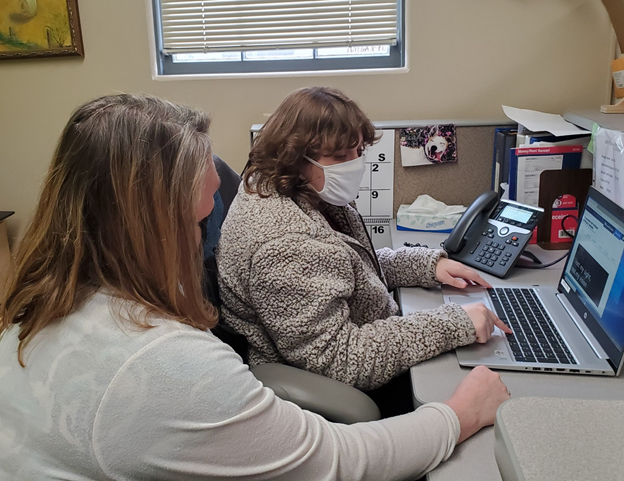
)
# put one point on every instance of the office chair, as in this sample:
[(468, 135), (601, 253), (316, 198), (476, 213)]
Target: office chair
[(334, 400)]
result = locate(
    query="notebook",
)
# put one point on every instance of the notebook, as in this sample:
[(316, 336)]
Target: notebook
[(576, 327)]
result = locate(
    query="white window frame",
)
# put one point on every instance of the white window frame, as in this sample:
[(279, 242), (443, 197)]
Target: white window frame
[(164, 68)]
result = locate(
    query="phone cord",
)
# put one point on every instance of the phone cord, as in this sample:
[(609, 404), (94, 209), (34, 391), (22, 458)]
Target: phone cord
[(543, 266)]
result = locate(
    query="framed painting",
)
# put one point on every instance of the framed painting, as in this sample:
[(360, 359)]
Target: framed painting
[(39, 28)]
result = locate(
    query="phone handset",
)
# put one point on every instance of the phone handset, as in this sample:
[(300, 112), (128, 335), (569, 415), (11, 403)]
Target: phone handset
[(484, 204)]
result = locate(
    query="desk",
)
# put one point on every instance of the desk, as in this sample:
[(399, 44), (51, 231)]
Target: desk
[(544, 438), (436, 379), (5, 255)]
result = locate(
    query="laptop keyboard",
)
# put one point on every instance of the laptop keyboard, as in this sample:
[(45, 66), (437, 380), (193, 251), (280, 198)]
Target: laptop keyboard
[(534, 338)]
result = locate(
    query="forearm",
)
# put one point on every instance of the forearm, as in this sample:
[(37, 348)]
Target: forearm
[(416, 443), (369, 356), (297, 444), (444, 328), (414, 266)]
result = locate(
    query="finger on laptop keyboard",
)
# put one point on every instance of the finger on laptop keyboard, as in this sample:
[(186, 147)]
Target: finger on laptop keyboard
[(500, 324)]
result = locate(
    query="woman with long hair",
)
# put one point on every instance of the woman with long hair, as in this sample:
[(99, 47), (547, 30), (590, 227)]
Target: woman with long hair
[(107, 367)]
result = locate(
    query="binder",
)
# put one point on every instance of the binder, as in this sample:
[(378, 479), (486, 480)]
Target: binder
[(496, 159), (510, 142), (548, 140), (504, 140)]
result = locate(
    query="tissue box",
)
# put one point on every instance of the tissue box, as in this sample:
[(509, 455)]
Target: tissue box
[(425, 222)]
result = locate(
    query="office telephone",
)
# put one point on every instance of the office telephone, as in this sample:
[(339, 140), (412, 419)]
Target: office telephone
[(492, 233)]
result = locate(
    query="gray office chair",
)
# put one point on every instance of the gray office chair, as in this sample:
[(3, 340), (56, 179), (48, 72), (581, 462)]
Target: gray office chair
[(334, 400)]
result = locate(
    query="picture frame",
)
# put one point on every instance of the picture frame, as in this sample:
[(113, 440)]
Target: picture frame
[(39, 28)]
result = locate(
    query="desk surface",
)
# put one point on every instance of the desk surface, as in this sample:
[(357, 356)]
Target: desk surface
[(545, 438), (436, 379)]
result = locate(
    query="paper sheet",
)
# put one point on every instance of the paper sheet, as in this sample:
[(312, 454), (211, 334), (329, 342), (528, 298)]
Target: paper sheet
[(609, 164), (541, 122), (529, 170), (375, 197), (376, 194)]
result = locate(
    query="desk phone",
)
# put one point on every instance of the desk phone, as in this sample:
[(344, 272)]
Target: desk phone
[(492, 233)]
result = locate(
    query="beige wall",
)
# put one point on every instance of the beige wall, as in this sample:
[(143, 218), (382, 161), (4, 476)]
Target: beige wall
[(466, 58)]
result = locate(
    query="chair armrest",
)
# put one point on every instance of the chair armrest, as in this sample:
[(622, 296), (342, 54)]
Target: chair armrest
[(332, 399)]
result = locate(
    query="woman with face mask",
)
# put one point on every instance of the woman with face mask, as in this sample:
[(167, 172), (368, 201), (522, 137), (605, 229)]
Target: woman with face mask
[(299, 276)]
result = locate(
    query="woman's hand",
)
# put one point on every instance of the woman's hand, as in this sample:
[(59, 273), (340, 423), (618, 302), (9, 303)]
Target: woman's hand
[(457, 274), (476, 400), (484, 321)]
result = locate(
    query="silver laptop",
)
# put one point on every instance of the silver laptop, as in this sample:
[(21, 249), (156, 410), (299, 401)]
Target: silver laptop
[(576, 327)]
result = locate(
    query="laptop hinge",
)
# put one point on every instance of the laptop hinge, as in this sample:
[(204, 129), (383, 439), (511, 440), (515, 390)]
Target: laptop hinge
[(589, 337)]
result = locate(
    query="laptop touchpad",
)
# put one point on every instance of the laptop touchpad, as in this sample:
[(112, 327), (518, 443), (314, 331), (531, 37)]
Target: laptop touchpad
[(469, 299)]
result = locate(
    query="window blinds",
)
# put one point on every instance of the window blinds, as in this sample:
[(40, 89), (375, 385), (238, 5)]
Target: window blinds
[(196, 26)]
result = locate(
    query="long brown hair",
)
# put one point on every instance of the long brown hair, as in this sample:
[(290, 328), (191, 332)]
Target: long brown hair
[(307, 121), (117, 211)]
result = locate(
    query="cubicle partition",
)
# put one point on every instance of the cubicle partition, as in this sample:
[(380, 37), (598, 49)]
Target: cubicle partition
[(459, 182), (452, 183)]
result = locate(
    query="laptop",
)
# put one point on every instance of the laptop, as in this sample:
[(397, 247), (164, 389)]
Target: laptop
[(576, 327)]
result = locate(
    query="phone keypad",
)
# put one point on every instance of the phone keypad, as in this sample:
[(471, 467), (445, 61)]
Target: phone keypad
[(491, 253)]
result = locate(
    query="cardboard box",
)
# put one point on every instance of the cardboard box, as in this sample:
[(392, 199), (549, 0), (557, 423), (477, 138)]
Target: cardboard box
[(617, 68)]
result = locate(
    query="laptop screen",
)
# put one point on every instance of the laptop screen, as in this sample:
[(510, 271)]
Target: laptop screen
[(593, 278)]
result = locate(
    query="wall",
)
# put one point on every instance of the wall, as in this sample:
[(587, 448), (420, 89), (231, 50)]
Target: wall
[(466, 58)]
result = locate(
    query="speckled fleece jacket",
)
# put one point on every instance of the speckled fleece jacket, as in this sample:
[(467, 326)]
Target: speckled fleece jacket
[(306, 295)]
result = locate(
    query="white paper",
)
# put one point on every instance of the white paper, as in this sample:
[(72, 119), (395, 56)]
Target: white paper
[(541, 122), (375, 197), (529, 170), (609, 160)]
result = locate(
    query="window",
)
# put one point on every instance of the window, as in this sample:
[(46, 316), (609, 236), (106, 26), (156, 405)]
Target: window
[(244, 36)]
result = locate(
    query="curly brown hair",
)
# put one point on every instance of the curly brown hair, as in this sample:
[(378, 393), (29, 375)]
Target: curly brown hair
[(307, 121)]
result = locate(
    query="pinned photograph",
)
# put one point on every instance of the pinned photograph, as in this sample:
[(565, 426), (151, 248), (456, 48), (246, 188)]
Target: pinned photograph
[(429, 145)]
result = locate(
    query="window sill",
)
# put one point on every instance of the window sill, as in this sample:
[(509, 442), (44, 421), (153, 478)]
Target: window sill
[(313, 73)]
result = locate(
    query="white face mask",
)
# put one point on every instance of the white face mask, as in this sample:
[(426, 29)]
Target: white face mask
[(342, 181)]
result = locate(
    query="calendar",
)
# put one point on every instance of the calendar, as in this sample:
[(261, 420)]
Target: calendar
[(375, 197)]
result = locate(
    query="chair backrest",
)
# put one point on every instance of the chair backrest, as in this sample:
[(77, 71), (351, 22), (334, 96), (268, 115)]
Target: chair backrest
[(211, 231), (211, 225)]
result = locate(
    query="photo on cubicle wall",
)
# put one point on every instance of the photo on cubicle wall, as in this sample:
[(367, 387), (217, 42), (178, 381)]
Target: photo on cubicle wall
[(428, 145)]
